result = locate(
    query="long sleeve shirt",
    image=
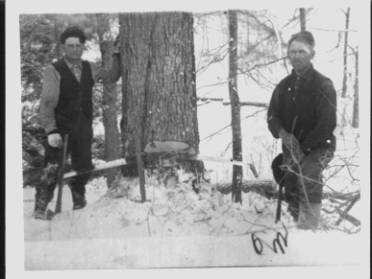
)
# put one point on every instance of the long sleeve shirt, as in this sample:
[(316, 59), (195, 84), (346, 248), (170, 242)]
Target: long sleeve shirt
[(306, 107), (51, 90), (51, 86)]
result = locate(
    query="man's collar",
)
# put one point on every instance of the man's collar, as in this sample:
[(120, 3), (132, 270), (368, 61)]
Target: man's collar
[(72, 65), (306, 75)]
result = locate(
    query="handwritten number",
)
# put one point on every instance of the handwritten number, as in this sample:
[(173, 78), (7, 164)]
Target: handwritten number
[(279, 241), (257, 244)]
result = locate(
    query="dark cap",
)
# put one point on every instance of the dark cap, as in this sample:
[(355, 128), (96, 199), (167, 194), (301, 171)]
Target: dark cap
[(73, 31), (303, 36)]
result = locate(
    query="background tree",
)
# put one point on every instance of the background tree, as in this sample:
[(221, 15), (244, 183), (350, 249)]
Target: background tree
[(106, 40), (345, 56), (355, 119), (158, 83), (235, 106), (303, 19), (37, 45), (266, 49)]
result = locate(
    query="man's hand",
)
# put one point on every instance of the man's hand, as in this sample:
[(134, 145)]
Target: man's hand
[(55, 140), (292, 144)]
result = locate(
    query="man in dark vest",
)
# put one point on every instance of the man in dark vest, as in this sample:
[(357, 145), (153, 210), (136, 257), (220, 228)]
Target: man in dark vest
[(302, 113), (66, 108)]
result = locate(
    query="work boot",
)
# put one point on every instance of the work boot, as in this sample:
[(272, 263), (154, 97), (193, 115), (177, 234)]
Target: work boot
[(78, 197), (309, 216), (43, 215), (293, 206), (293, 210), (79, 205), (40, 214), (41, 204)]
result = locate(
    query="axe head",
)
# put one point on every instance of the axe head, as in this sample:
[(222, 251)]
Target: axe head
[(278, 173)]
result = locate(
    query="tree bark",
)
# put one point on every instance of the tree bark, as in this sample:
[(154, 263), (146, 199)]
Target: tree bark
[(235, 106), (355, 122), (303, 19), (344, 78), (158, 83)]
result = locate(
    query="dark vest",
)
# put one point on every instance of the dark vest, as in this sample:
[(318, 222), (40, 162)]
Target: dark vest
[(74, 97)]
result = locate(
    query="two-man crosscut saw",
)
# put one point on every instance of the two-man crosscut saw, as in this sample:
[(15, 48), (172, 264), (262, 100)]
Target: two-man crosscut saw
[(107, 165), (123, 162)]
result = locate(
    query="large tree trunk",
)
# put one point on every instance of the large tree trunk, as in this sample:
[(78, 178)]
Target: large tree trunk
[(355, 122), (303, 19), (235, 106), (158, 83), (344, 78)]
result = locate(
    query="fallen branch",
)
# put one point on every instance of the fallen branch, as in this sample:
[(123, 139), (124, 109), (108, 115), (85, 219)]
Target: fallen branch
[(344, 214), (341, 196), (253, 169), (268, 188), (349, 218)]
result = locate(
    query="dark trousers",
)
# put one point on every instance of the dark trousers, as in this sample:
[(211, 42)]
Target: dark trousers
[(302, 183), (79, 148)]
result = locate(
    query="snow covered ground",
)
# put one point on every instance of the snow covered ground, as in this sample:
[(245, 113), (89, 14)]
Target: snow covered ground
[(175, 228)]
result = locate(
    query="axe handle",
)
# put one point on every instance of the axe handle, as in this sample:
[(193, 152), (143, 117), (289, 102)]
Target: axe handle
[(60, 175), (279, 205)]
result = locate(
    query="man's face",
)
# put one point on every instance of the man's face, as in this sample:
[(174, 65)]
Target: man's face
[(73, 48), (300, 55)]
